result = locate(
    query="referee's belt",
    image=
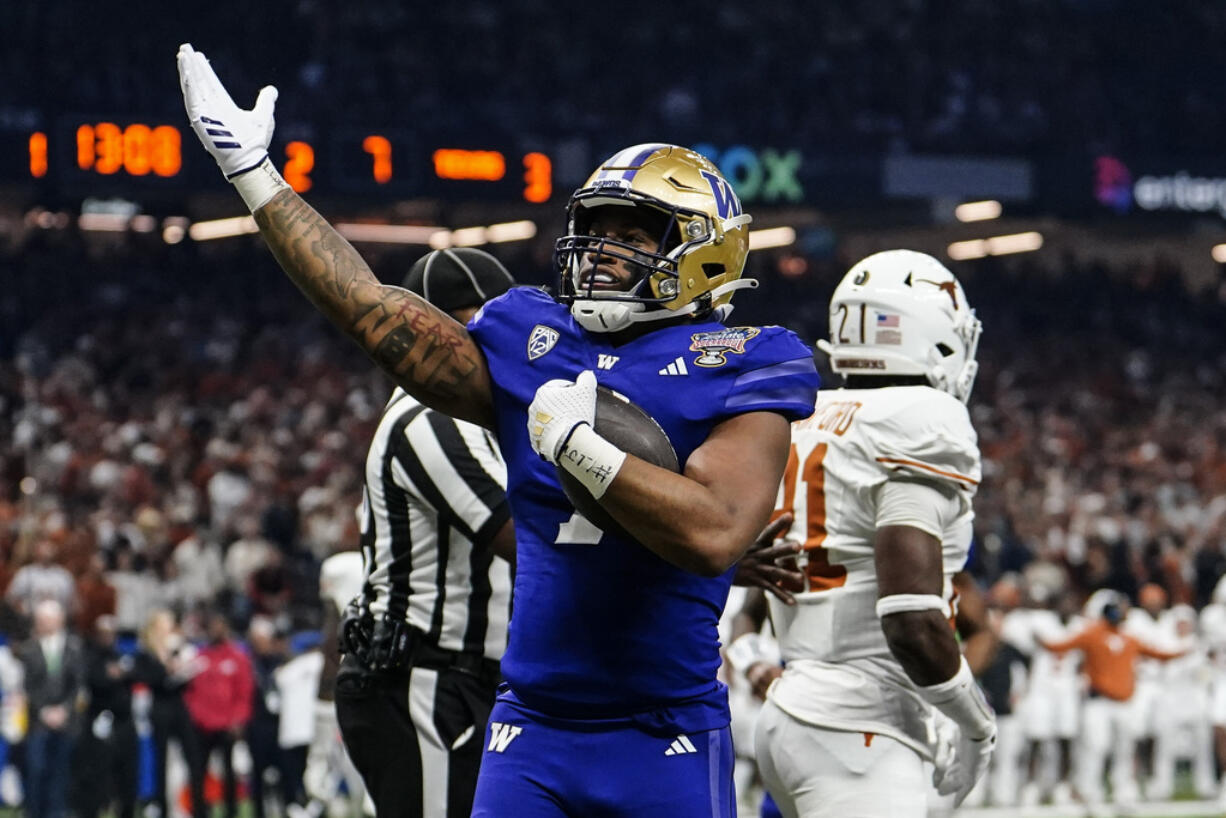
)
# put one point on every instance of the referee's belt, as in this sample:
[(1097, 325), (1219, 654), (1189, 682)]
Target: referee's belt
[(391, 646)]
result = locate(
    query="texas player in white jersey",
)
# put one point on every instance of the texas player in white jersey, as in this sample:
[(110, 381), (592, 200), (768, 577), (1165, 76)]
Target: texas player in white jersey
[(880, 483), (328, 763), (1213, 628), (1183, 698), (1050, 710)]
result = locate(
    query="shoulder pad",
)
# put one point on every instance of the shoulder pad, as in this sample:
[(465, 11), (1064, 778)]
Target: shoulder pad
[(928, 436)]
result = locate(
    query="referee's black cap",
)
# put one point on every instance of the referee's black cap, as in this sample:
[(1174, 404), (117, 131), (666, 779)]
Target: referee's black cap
[(459, 277)]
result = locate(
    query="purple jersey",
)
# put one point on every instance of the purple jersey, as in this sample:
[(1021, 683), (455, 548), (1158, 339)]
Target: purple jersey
[(602, 627)]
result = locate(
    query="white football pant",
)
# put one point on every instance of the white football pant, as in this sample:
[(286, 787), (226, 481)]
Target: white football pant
[(812, 772)]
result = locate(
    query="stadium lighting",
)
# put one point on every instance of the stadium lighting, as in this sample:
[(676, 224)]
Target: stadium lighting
[(510, 231), (771, 237), (104, 222), (966, 250), (1219, 253), (438, 238), (1015, 243), (473, 236), (174, 229), (389, 233), (222, 228), (978, 211), (468, 236), (995, 246)]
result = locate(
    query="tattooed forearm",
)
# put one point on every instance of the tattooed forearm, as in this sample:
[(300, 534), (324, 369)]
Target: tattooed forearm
[(423, 349)]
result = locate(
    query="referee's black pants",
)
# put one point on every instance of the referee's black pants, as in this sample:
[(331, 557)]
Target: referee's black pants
[(416, 736)]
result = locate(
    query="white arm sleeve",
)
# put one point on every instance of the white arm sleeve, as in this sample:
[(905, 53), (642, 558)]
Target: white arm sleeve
[(919, 504)]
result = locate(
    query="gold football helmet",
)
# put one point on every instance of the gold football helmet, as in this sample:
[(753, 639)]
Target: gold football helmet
[(702, 245)]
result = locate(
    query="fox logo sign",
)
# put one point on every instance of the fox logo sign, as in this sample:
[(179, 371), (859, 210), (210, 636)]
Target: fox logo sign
[(502, 735), (726, 202)]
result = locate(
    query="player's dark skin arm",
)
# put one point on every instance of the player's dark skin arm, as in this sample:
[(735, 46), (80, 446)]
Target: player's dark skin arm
[(908, 561), (504, 543), (424, 351), (705, 519)]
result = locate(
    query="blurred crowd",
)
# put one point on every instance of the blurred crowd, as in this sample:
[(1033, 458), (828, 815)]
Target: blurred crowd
[(179, 451), (921, 75)]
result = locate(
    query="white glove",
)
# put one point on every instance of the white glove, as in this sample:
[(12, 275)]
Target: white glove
[(559, 407), (945, 754), (960, 761), (237, 139)]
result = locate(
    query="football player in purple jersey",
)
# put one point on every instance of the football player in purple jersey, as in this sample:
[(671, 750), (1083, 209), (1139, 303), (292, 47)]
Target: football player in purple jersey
[(611, 704)]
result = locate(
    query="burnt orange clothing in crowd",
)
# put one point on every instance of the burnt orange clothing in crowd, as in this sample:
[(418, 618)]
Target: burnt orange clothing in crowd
[(1111, 658)]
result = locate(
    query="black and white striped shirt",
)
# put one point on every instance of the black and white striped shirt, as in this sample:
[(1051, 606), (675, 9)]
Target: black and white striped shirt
[(434, 498)]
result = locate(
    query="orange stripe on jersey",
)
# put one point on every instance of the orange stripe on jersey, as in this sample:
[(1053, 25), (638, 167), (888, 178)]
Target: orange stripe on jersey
[(823, 574), (789, 485), (815, 481), (895, 461)]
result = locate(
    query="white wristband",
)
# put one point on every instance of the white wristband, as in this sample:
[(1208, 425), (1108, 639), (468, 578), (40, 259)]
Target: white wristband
[(258, 185), (962, 700), (591, 459), (901, 603)]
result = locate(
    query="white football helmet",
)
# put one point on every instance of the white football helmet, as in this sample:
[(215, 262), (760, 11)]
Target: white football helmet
[(900, 312)]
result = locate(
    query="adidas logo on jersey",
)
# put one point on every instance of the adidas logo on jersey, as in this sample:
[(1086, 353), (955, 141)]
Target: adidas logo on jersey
[(677, 367), (502, 735), (680, 747)]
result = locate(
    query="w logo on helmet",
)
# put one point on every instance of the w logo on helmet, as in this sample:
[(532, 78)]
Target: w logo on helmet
[(727, 205)]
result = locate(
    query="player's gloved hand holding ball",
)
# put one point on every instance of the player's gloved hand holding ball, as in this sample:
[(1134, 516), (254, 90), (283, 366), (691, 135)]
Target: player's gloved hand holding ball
[(560, 406), (237, 139), (561, 418)]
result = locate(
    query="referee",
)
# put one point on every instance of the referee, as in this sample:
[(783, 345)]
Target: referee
[(423, 640)]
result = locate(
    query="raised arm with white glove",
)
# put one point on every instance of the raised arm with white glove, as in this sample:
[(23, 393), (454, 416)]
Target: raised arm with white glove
[(422, 348), (236, 139)]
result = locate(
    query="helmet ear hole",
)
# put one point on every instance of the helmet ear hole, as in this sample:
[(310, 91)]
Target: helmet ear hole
[(945, 350), (712, 269)]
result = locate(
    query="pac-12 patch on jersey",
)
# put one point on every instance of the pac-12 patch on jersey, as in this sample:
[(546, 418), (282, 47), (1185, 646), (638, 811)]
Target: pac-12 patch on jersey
[(541, 341), (714, 346)]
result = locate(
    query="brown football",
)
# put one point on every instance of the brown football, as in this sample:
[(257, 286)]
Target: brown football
[(630, 429)]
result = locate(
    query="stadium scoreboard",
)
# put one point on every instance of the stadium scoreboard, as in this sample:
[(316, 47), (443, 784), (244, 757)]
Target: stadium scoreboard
[(97, 156)]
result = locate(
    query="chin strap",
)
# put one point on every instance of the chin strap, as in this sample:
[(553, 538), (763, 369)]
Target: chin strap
[(613, 315)]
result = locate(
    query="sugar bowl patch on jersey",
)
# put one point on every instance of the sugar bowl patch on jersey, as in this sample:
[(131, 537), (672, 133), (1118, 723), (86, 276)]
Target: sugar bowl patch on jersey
[(716, 346)]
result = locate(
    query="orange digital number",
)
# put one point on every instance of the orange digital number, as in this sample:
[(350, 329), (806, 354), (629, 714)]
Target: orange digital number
[(136, 149), (38, 154), (165, 156), (380, 151), (108, 148), (85, 147), (538, 178), (482, 166), (823, 575), (301, 161)]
